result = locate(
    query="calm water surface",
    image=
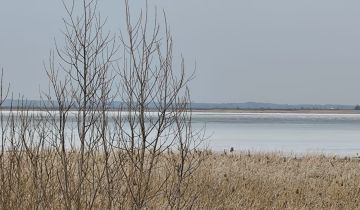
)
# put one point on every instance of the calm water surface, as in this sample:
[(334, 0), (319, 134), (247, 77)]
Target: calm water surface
[(337, 134)]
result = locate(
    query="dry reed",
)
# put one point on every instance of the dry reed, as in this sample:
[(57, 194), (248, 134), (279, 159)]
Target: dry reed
[(223, 181)]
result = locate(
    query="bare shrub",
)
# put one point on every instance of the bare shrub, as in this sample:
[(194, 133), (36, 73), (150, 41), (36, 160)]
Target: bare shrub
[(77, 150)]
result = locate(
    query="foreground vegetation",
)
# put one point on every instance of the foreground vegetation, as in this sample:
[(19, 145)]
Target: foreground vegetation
[(270, 181), (74, 153), (222, 181)]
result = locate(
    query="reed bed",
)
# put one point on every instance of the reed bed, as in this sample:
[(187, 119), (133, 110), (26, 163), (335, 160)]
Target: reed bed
[(222, 181), (273, 181)]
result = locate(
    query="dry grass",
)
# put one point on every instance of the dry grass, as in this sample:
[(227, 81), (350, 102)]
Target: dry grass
[(269, 181), (223, 181)]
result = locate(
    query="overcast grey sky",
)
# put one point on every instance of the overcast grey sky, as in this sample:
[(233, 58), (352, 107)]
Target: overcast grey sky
[(281, 51)]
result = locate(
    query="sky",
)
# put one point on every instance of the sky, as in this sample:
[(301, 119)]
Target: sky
[(279, 51)]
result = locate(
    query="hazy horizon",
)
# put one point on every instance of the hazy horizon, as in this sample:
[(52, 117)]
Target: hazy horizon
[(283, 52)]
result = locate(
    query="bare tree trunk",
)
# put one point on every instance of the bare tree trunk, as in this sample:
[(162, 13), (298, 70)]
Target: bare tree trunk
[(4, 126), (156, 99), (87, 54), (62, 103)]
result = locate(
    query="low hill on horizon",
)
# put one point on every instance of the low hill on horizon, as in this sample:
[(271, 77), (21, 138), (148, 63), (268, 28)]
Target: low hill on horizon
[(246, 105), (259, 105)]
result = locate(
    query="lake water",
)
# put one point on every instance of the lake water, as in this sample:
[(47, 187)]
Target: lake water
[(335, 134), (332, 134)]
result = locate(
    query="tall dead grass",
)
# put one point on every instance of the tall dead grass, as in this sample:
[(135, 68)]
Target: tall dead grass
[(222, 181), (271, 181)]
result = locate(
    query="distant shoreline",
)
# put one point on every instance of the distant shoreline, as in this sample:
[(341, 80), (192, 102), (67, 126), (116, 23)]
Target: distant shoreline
[(297, 111), (221, 110)]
